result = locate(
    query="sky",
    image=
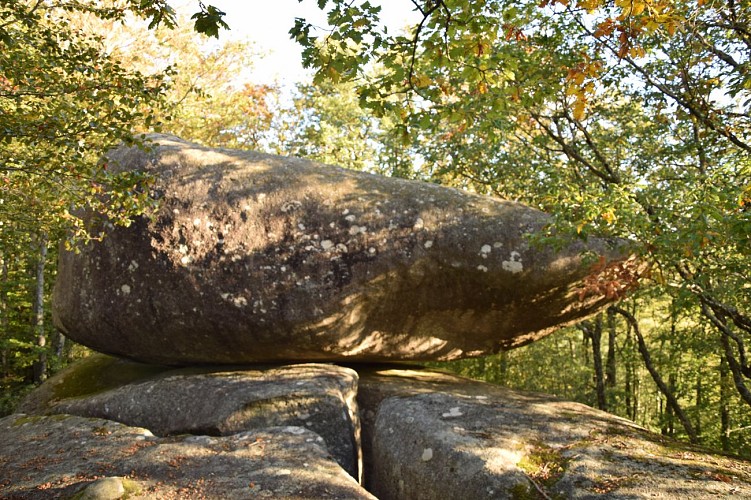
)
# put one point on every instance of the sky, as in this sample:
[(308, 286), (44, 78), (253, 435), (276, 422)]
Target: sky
[(267, 24)]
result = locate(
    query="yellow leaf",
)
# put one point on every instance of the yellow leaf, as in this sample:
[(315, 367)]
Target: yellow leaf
[(637, 52), (637, 8), (578, 109), (590, 5), (652, 26), (421, 81), (333, 74)]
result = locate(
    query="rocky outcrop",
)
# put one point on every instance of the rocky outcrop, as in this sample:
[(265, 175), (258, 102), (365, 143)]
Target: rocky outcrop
[(80, 458), (320, 398), (253, 257), (257, 258), (430, 435), (425, 435)]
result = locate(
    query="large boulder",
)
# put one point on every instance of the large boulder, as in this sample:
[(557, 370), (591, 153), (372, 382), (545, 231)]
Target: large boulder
[(65, 456), (425, 435), (430, 435), (253, 257), (205, 401)]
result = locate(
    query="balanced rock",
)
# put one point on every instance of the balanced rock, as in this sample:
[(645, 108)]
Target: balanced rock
[(64, 456), (253, 257), (205, 401)]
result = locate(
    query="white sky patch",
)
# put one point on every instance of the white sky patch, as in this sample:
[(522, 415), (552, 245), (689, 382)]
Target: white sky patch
[(267, 24)]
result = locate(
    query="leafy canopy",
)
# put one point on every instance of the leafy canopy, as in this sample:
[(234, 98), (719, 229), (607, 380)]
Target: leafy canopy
[(622, 118)]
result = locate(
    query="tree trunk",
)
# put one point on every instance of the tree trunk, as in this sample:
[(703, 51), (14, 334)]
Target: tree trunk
[(59, 345), (503, 368), (724, 405), (610, 364), (699, 404), (595, 336), (736, 367), (40, 367), (630, 408), (4, 319), (670, 415), (736, 370), (671, 399)]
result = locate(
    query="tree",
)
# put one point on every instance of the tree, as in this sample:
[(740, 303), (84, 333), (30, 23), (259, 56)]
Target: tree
[(64, 102), (210, 99), (624, 119)]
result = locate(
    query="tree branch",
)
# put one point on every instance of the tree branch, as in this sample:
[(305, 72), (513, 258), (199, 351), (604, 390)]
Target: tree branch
[(669, 396)]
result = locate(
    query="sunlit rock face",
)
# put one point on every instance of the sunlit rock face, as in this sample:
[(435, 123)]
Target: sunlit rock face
[(428, 435), (65, 456), (173, 401), (254, 257)]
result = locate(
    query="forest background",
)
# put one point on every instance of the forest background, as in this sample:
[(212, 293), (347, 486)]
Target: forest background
[(622, 118)]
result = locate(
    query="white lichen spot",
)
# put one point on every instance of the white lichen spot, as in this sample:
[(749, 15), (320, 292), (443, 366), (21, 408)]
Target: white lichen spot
[(350, 218), (354, 230), (345, 211), (497, 244), (332, 225), (485, 250), (428, 244), (327, 244), (301, 227), (453, 412), (175, 211), (514, 265), (341, 247), (371, 251), (125, 289), (185, 260), (183, 249), (427, 454), (224, 295), (291, 206), (283, 269), (482, 268), (133, 266), (419, 224), (261, 196), (246, 208), (240, 301), (196, 222)]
